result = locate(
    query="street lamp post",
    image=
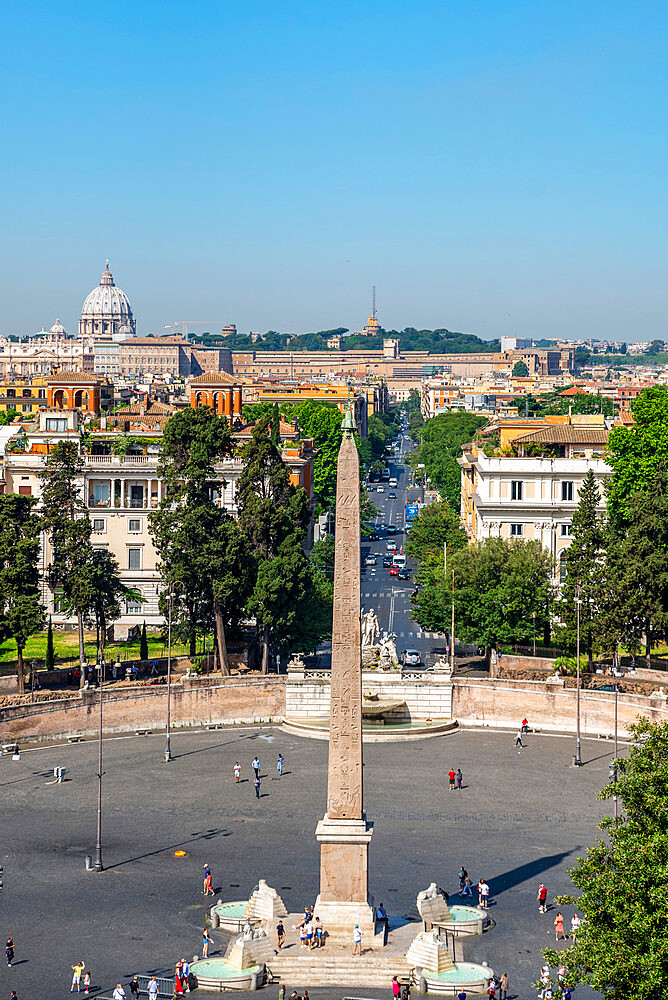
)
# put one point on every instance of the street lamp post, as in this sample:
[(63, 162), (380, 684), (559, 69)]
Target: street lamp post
[(98, 845), (168, 747), (534, 633), (615, 795), (578, 758)]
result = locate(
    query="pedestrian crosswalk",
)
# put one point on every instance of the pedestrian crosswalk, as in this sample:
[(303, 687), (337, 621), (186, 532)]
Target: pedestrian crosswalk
[(419, 635)]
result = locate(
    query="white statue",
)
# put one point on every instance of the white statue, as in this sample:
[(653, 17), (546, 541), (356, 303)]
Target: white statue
[(370, 629), (388, 648)]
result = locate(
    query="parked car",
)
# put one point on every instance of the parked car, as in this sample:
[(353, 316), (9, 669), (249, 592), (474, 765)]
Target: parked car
[(411, 658), (370, 560)]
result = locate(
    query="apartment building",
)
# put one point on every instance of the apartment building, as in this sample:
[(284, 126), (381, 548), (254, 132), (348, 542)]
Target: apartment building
[(119, 491), (532, 491), (339, 394)]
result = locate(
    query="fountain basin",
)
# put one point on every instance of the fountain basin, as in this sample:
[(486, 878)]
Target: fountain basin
[(231, 915), (373, 731), (465, 920), (468, 976), (215, 974)]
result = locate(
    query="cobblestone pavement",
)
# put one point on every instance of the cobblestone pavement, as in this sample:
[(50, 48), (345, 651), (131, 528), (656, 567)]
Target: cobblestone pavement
[(521, 818)]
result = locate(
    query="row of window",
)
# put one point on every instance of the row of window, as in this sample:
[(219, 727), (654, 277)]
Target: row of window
[(100, 526), (517, 490), (517, 530)]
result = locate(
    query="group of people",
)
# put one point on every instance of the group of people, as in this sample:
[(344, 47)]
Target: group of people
[(293, 996), (152, 990), (466, 888), (257, 779), (80, 976), (311, 931), (501, 984), (455, 778), (559, 931), (546, 991)]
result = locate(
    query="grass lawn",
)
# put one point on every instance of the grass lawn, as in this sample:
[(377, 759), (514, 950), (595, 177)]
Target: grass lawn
[(66, 649)]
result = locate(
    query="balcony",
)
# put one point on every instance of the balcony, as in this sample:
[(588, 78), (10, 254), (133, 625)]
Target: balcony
[(119, 461)]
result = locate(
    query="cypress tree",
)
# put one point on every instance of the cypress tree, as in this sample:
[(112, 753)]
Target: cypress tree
[(50, 660), (143, 644)]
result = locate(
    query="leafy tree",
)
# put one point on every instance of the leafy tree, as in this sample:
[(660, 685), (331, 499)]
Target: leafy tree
[(143, 643), (6, 417), (106, 593), (435, 525), (634, 584), (621, 950), (322, 556), (583, 563), (635, 452), (499, 585), (274, 516), (441, 439), (520, 370), (68, 528), (50, 658), (322, 422), (21, 614), (201, 552)]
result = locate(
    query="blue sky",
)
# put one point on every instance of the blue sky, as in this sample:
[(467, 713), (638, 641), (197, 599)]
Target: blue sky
[(496, 168)]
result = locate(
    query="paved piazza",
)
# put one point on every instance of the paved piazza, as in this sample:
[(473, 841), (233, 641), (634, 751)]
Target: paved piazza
[(521, 818)]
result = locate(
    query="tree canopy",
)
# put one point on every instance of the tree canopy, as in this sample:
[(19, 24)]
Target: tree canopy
[(635, 452), (440, 442)]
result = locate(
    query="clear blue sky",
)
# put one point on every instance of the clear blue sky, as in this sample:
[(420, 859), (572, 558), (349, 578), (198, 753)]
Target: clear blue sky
[(494, 167)]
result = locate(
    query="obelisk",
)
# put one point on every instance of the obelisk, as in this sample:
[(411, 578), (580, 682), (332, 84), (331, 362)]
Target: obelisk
[(343, 833)]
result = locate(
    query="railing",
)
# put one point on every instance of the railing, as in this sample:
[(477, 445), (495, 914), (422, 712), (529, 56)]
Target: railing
[(120, 460)]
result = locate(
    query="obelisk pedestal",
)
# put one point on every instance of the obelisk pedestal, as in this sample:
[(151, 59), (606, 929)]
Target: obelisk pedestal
[(344, 833)]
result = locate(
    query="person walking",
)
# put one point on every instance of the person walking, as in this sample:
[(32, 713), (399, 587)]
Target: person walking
[(237, 772), (483, 890), (463, 875), (255, 764), (491, 989), (452, 776), (186, 974), (504, 983), (280, 935), (309, 934), (518, 739), (281, 992), (152, 988), (257, 781), (13, 996), (468, 887), (76, 975), (318, 932), (134, 987), (542, 898), (460, 778), (559, 927), (119, 992), (208, 881), (357, 940), (525, 725), (9, 952), (279, 765), (576, 923), (396, 988), (86, 982), (206, 941), (178, 980)]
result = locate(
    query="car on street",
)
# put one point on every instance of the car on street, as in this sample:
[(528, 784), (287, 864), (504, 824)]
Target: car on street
[(394, 570), (403, 574), (390, 547), (387, 560), (392, 496), (411, 658), (391, 529), (373, 536), (370, 560), (380, 489)]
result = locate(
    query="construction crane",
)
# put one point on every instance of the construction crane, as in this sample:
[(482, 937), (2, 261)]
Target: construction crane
[(185, 323)]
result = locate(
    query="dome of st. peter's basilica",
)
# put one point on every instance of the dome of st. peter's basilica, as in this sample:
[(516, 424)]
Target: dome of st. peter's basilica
[(106, 310)]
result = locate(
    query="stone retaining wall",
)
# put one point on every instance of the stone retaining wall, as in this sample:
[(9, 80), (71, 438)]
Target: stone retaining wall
[(504, 703), (225, 700), (425, 697)]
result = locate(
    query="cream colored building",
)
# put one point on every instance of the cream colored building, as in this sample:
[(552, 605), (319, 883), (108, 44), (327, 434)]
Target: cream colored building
[(517, 496)]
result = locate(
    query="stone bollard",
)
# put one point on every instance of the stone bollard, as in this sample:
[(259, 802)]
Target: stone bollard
[(423, 985), (89, 863), (253, 982), (215, 918)]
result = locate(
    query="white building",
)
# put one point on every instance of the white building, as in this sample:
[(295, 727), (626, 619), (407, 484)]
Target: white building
[(532, 497)]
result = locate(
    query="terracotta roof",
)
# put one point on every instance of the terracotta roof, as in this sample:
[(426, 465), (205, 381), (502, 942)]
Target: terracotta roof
[(154, 409), (72, 377), (215, 378), (573, 391), (565, 434)]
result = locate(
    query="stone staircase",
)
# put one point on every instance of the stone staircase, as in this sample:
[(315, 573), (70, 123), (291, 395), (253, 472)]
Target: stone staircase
[(336, 968)]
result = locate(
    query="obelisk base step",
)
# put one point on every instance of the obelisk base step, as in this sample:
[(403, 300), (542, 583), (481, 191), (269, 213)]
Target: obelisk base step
[(339, 919)]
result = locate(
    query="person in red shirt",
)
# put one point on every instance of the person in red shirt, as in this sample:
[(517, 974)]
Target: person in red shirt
[(451, 776), (542, 898), (525, 725)]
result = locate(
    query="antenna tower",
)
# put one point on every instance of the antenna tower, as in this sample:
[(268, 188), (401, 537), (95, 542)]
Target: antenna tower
[(373, 306)]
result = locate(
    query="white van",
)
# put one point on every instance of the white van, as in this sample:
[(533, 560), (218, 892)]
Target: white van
[(393, 481), (399, 559)]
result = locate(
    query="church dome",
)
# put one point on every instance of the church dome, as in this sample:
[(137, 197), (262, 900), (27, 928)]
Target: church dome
[(106, 309), (58, 330)]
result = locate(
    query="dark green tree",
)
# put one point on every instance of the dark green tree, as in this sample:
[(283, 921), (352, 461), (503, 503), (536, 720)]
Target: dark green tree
[(441, 440), (435, 525), (621, 950), (201, 550), (500, 585), (520, 370), (21, 614), (50, 659), (322, 422), (68, 529), (276, 426), (583, 565), (106, 593), (143, 643), (274, 516)]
